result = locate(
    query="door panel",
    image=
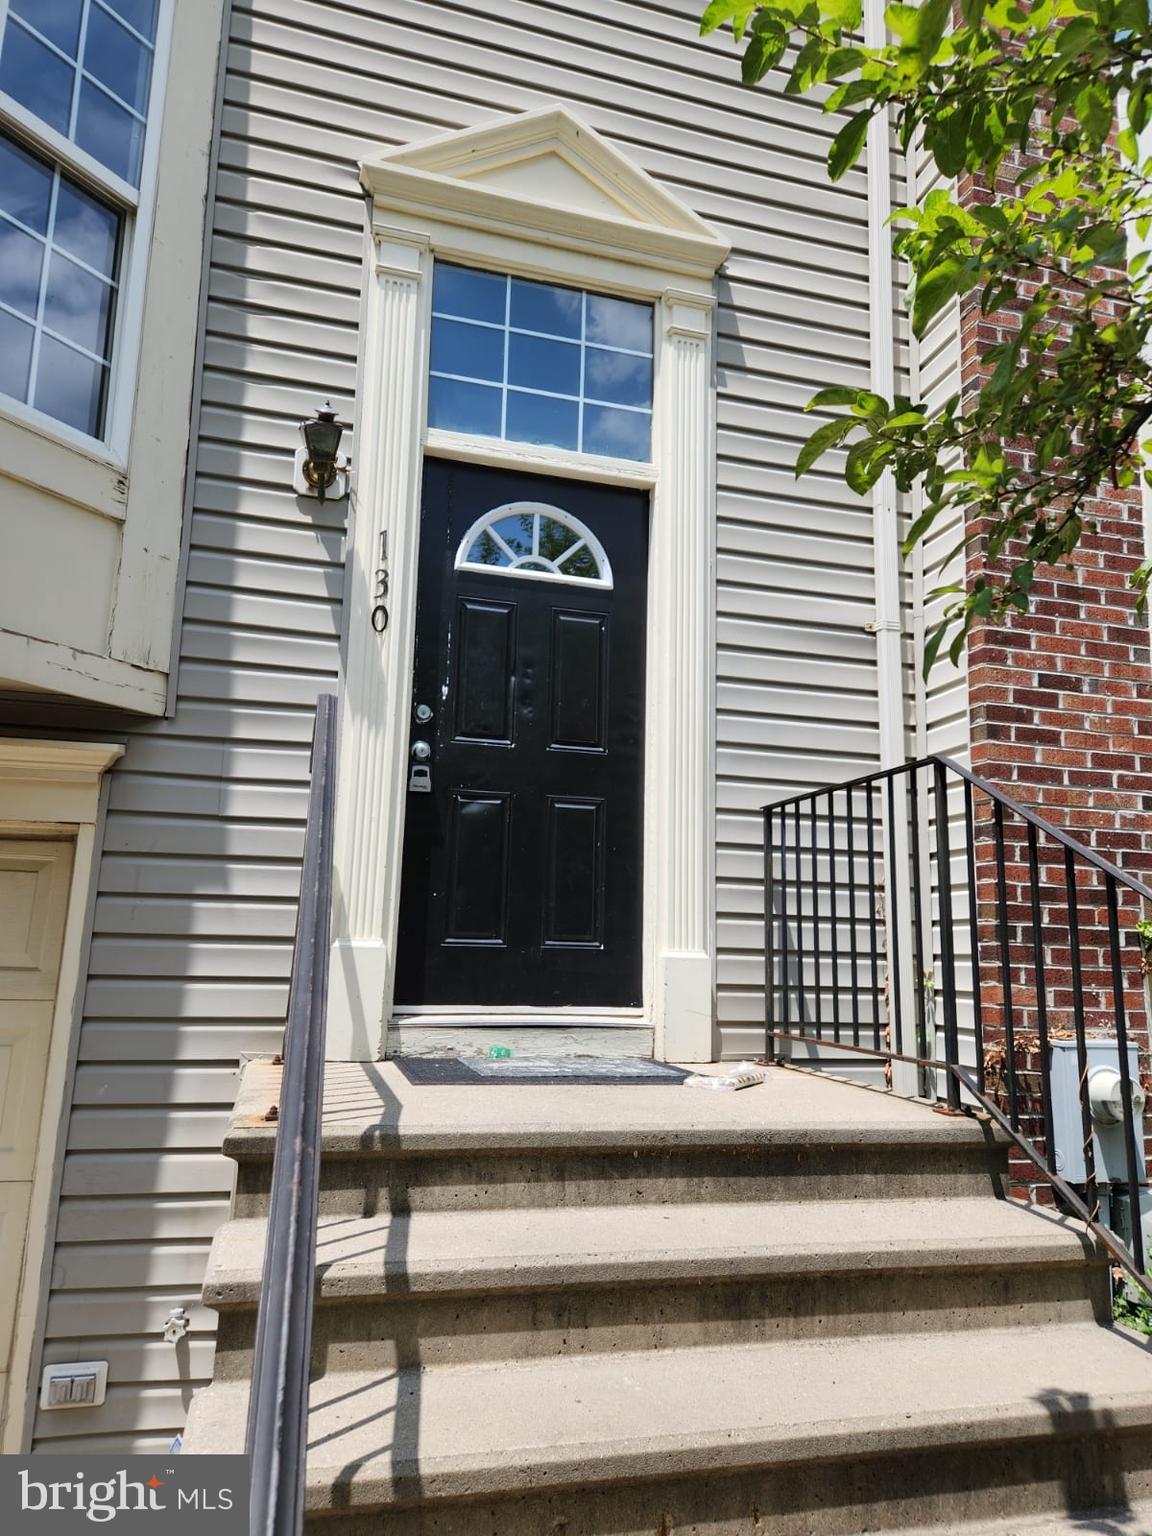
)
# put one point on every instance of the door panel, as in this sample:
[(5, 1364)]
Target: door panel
[(574, 900), (522, 880), (477, 904), (484, 691), (579, 679), (33, 893)]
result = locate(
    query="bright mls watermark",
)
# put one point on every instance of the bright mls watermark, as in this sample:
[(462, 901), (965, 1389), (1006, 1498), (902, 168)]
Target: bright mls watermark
[(64, 1495)]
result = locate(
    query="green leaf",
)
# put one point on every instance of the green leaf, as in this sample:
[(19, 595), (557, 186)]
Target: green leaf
[(1094, 109), (920, 527), (839, 394), (721, 11), (804, 70), (904, 20), (934, 18), (764, 51), (934, 290), (932, 646), (947, 139), (825, 437), (847, 144), (1076, 36)]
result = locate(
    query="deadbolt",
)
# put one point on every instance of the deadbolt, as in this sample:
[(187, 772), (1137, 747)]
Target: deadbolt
[(423, 713)]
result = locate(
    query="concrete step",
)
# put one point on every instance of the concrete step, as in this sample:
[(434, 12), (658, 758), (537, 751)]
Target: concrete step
[(443, 1287), (828, 1437), (392, 1147)]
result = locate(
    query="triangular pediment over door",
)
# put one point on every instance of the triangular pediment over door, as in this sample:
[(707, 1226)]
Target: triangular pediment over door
[(548, 170)]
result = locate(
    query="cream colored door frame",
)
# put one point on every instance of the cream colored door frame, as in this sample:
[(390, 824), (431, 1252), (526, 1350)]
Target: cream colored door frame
[(539, 195), (49, 793)]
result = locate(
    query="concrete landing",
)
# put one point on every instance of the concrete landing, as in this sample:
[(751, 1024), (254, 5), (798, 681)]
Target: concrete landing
[(372, 1106)]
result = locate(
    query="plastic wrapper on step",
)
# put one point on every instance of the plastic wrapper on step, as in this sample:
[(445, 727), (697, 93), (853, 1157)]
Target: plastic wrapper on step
[(741, 1074)]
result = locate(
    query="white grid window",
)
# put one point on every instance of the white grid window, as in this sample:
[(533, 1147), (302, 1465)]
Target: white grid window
[(84, 67), (537, 363), (76, 87), (59, 249)]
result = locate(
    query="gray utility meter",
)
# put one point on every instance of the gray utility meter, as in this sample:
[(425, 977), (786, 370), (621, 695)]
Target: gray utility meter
[(1105, 1097)]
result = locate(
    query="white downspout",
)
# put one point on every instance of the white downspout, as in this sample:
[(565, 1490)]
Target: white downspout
[(886, 550), (885, 526)]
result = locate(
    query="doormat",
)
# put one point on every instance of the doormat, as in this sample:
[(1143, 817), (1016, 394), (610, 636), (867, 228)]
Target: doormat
[(458, 1071)]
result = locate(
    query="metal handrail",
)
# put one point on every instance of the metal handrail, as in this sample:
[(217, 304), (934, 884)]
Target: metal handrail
[(792, 828), (277, 1432)]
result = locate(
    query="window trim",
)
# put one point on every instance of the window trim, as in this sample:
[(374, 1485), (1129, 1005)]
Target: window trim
[(137, 206)]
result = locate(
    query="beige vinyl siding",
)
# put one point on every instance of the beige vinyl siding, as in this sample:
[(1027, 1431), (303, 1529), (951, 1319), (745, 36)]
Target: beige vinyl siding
[(199, 874)]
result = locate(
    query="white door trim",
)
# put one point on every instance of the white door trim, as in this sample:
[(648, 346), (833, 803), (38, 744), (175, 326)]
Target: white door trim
[(50, 789), (488, 197)]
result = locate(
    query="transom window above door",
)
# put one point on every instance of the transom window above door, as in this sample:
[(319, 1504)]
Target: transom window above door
[(530, 538), (537, 363)]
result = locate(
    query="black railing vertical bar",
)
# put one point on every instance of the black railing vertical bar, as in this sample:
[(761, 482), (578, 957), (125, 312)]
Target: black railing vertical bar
[(1079, 1026), (834, 915), (918, 918), (947, 935), (853, 943), (277, 1432), (1005, 939), (1131, 1146), (769, 936), (800, 1009), (817, 958), (873, 932), (1041, 988), (784, 934), (974, 932), (895, 981)]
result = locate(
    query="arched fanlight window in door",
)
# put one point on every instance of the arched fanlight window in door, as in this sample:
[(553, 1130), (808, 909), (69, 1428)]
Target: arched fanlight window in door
[(531, 538)]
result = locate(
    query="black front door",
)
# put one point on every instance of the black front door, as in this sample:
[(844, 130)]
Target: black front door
[(522, 877)]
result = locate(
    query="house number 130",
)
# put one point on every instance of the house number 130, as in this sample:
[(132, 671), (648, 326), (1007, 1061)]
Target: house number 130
[(379, 617)]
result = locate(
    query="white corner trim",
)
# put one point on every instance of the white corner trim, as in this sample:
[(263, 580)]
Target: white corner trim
[(430, 201)]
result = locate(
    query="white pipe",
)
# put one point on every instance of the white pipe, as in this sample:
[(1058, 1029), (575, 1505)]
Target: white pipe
[(886, 549), (885, 526)]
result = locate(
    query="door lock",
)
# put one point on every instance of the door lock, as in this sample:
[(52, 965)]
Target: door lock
[(420, 774), (423, 713)]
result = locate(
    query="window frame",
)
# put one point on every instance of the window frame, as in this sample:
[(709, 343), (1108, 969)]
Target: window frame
[(136, 206)]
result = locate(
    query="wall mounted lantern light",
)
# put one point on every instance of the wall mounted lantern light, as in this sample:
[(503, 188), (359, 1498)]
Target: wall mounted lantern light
[(319, 469)]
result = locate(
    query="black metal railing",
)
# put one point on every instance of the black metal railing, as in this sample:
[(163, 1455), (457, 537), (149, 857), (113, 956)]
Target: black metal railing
[(920, 917), (278, 1409)]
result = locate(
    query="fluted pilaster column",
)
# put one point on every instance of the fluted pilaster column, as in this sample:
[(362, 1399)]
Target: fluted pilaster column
[(379, 599), (682, 665)]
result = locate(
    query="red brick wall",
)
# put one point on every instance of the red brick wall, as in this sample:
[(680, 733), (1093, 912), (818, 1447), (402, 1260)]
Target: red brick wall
[(1060, 704)]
